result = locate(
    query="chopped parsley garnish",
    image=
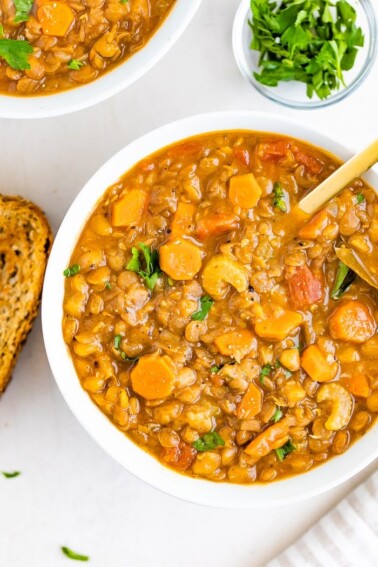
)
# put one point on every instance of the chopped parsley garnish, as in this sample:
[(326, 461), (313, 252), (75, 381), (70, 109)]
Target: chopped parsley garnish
[(11, 474), (279, 198), (73, 555), (108, 285), (151, 271), (75, 64), (215, 369), (265, 371), (23, 8), (206, 302), (71, 271), (344, 278), (311, 41), (277, 415), (117, 345), (283, 451), (360, 198), (208, 442), (16, 53)]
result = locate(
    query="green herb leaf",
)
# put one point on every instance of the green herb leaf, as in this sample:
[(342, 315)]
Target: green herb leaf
[(344, 278), (108, 285), (71, 271), (134, 264), (265, 371), (215, 369), (75, 64), (360, 198), (283, 451), (1, 31), (11, 474), (117, 345), (279, 198), (16, 53), (117, 342), (208, 442), (73, 555), (306, 41), (277, 415), (206, 302), (151, 260), (23, 8)]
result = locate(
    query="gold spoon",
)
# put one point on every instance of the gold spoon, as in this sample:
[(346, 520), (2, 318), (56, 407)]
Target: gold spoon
[(364, 265)]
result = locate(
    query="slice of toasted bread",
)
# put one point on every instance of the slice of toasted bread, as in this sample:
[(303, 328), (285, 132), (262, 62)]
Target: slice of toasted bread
[(25, 241)]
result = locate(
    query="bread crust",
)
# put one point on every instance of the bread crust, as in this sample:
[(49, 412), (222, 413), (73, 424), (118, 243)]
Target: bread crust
[(25, 243)]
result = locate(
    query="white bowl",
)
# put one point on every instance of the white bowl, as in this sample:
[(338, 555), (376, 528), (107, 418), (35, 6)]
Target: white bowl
[(110, 83), (115, 443)]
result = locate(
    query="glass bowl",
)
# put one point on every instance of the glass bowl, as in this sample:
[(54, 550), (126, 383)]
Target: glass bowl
[(293, 93)]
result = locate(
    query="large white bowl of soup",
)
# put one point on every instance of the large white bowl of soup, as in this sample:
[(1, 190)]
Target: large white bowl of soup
[(58, 57), (202, 333)]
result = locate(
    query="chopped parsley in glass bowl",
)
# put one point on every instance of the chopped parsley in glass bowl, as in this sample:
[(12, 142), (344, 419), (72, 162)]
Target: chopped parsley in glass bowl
[(305, 54)]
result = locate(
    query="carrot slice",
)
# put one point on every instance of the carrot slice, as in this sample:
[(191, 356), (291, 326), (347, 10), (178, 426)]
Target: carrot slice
[(236, 344), (352, 321), (357, 384), (180, 259), (315, 225), (129, 208), (216, 223), (56, 18), (183, 220), (244, 191), (251, 403), (272, 438), (317, 366), (153, 377), (304, 288), (279, 327)]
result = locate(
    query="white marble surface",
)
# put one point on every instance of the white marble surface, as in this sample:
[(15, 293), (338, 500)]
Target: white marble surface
[(70, 492)]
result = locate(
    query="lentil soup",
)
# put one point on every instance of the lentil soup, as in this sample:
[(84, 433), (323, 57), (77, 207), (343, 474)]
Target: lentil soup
[(216, 327), (51, 46)]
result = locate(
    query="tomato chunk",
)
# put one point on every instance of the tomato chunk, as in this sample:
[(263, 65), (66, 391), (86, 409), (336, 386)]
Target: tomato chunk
[(310, 162), (216, 223), (180, 457), (304, 288)]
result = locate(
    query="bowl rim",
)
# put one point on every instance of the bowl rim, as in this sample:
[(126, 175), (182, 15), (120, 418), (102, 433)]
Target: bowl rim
[(110, 83), (240, 55), (114, 442)]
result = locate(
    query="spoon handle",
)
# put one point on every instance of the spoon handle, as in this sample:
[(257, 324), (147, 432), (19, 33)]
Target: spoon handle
[(349, 171)]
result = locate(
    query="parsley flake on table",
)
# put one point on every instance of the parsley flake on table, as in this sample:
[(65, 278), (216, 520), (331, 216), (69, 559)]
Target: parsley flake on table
[(73, 555), (23, 8), (16, 53), (311, 41), (11, 474)]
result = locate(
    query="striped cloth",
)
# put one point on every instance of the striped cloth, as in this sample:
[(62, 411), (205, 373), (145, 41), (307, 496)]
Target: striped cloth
[(345, 537)]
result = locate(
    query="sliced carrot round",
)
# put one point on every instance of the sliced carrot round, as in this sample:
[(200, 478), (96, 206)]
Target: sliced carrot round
[(56, 18), (352, 321), (153, 377), (180, 259)]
